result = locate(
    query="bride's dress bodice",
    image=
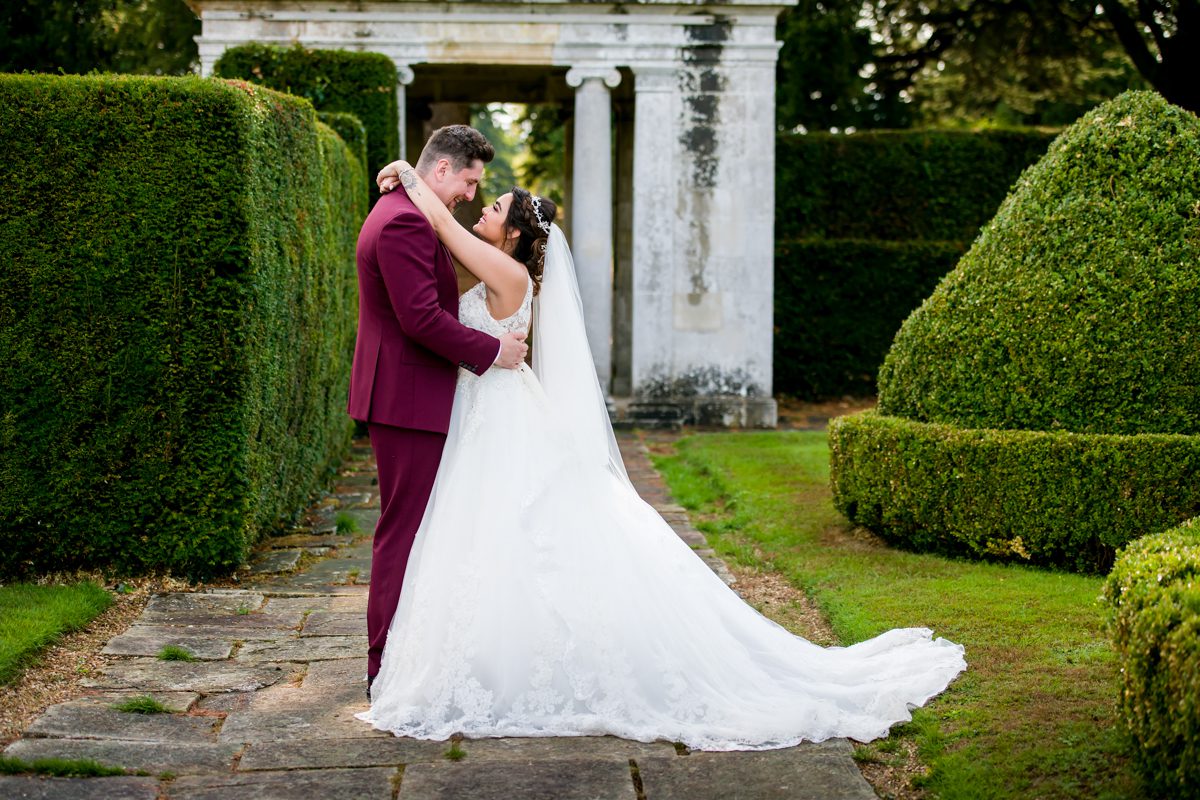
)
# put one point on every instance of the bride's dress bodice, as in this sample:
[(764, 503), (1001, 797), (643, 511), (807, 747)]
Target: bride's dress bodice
[(473, 312)]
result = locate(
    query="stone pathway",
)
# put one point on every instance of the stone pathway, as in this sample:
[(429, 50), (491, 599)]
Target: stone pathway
[(266, 708)]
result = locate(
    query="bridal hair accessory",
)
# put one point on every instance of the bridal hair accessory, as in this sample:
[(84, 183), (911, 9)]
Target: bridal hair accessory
[(537, 210)]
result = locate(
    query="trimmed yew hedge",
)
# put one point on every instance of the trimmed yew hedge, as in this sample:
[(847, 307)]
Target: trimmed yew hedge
[(897, 185), (362, 84), (865, 225), (1153, 595), (351, 129), (838, 305), (177, 312), (1051, 498)]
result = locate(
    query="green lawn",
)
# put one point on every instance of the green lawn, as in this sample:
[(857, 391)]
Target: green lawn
[(1035, 714), (32, 617)]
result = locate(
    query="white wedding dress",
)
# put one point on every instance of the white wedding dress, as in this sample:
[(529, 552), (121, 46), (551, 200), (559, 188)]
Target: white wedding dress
[(544, 597)]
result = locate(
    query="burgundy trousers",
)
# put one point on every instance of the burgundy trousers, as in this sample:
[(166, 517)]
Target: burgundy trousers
[(408, 462)]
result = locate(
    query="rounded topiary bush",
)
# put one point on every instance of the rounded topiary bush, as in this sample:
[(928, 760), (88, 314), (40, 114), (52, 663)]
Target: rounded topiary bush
[(1154, 597), (1078, 307)]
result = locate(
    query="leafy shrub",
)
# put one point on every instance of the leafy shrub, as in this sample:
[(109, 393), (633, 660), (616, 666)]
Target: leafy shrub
[(177, 311), (838, 305), (897, 185), (1154, 598), (362, 84), (1052, 498), (1078, 308)]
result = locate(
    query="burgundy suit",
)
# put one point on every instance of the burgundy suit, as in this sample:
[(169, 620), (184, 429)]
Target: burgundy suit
[(410, 345)]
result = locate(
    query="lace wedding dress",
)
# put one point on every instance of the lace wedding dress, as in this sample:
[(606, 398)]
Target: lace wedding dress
[(543, 597)]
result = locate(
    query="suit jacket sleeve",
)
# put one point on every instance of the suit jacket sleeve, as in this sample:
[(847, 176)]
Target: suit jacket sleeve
[(406, 251)]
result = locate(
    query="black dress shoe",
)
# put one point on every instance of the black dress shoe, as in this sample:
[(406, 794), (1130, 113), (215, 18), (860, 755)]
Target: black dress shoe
[(370, 680)]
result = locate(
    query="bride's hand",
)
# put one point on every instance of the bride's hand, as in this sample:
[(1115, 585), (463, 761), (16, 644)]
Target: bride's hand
[(389, 177)]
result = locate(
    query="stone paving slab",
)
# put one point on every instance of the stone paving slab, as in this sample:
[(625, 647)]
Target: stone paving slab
[(335, 623), (354, 499), (89, 719), (306, 540), (331, 571), (808, 772), (240, 626), (573, 779), (182, 676), (282, 560), (359, 481), (175, 701), (149, 640), (320, 648), (592, 748), (324, 753), (32, 787), (319, 784), (187, 603), (367, 519), (156, 757), (329, 678), (292, 724)]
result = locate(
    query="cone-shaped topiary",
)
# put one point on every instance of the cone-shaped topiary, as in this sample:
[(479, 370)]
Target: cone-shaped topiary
[(1078, 307)]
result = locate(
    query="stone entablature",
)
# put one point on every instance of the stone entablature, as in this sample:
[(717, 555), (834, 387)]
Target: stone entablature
[(699, 312)]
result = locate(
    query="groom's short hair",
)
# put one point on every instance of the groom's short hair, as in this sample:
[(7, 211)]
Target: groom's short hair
[(461, 145)]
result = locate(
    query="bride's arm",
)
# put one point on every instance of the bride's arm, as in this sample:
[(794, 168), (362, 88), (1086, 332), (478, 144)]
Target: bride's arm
[(504, 275)]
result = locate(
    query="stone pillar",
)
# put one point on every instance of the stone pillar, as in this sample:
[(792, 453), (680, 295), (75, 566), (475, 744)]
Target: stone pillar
[(404, 76), (592, 207), (656, 103)]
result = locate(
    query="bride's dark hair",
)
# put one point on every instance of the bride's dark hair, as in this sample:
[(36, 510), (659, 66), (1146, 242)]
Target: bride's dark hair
[(530, 248)]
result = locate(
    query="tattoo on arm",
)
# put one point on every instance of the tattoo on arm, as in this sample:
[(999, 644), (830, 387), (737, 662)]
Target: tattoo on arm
[(409, 179)]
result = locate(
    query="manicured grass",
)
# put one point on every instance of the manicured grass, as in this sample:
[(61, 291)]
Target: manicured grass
[(1035, 714), (32, 617)]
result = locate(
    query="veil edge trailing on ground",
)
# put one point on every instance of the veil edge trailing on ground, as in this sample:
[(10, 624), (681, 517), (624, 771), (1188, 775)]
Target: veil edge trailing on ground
[(562, 358)]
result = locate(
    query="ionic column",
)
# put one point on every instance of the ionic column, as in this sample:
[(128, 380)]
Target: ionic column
[(592, 207)]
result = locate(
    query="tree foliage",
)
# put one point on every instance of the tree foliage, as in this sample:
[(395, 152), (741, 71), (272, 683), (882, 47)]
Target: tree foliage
[(892, 63), (152, 37)]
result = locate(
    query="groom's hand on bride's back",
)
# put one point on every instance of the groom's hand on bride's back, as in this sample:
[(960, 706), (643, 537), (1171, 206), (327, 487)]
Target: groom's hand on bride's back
[(512, 350)]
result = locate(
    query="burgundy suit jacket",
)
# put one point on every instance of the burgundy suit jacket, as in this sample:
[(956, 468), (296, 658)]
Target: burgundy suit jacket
[(410, 342)]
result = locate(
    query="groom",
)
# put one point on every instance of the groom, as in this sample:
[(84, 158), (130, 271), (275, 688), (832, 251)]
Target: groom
[(410, 346)]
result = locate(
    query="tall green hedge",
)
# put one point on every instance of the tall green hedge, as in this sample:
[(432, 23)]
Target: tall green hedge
[(1153, 596), (838, 304), (897, 185), (865, 226), (177, 311), (362, 84), (351, 129)]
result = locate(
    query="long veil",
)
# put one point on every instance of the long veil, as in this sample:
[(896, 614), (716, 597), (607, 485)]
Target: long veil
[(562, 359)]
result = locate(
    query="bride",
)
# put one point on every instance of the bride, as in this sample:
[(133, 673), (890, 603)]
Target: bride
[(544, 597)]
